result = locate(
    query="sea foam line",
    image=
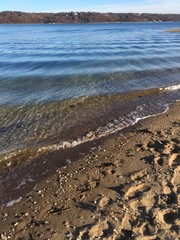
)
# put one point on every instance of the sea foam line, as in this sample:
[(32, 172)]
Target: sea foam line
[(11, 203), (140, 113), (113, 127), (171, 88)]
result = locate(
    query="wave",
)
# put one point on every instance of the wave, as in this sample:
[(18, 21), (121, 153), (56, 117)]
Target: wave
[(116, 125), (139, 113), (111, 113), (171, 88)]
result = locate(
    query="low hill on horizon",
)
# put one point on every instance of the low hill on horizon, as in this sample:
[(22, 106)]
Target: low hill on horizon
[(14, 17)]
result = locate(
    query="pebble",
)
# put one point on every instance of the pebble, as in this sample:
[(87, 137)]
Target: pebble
[(66, 224), (15, 224), (5, 215), (3, 237)]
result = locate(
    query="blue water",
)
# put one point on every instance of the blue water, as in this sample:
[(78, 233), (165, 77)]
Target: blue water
[(40, 63), (60, 81)]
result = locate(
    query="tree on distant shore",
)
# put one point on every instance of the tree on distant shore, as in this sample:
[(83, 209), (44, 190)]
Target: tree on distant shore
[(8, 17)]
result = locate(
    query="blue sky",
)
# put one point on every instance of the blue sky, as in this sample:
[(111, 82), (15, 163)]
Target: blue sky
[(139, 6)]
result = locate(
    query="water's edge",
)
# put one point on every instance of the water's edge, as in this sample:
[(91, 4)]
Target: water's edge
[(23, 177), (95, 118)]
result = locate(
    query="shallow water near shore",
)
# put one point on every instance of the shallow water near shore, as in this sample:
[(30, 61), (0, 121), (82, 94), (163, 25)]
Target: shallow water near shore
[(32, 130), (60, 86)]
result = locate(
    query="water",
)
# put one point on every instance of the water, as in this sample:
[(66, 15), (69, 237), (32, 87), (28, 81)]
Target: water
[(60, 82)]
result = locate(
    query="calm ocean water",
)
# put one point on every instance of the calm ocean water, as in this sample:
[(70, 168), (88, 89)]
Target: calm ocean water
[(60, 82)]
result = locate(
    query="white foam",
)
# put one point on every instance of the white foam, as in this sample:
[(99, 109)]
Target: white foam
[(139, 113), (113, 127), (171, 88), (12, 202), (22, 184)]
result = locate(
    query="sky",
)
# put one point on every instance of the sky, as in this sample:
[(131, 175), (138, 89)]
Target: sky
[(136, 6)]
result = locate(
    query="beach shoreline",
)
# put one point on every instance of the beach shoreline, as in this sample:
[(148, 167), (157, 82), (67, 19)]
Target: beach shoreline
[(124, 186)]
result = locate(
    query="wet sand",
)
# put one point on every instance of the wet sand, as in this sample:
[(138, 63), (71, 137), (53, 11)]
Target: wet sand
[(125, 186)]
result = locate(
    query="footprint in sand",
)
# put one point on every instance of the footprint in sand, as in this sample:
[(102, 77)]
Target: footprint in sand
[(166, 218), (164, 147), (155, 159), (138, 175), (108, 168), (148, 200), (169, 146), (147, 232), (100, 230), (126, 222), (103, 202), (135, 190), (170, 217)]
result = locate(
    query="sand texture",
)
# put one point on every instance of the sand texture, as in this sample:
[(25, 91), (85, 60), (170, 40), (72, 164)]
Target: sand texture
[(127, 187)]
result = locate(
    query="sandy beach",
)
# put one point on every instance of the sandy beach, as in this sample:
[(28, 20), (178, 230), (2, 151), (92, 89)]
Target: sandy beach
[(125, 186)]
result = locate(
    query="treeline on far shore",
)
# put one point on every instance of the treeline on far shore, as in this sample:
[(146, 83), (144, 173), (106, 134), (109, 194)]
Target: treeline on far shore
[(11, 17)]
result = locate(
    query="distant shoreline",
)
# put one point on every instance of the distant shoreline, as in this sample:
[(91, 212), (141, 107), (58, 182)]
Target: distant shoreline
[(14, 17), (88, 23)]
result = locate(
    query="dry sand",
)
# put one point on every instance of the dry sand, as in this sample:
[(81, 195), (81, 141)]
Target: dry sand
[(127, 187)]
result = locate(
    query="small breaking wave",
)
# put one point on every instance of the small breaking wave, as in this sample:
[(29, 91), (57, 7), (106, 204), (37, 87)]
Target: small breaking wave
[(111, 114), (140, 113), (11, 203), (171, 88)]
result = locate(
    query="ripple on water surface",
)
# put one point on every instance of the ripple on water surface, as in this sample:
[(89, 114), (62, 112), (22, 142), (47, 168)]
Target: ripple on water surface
[(60, 86)]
